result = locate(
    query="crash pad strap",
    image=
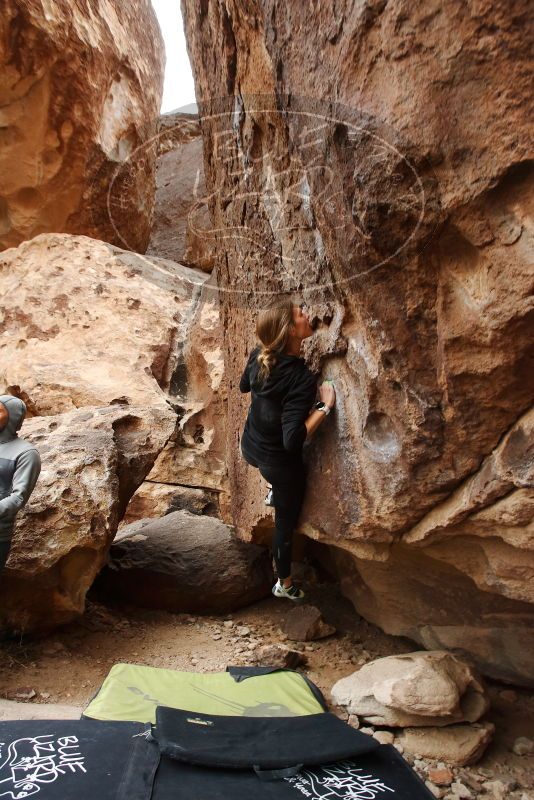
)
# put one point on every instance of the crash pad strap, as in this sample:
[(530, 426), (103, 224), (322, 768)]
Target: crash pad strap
[(277, 774), (140, 772)]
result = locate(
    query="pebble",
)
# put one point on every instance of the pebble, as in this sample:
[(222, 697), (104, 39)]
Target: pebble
[(228, 623), (384, 737), (353, 721), (441, 777), (496, 789), (461, 791), (433, 789), (242, 630), (216, 636), (368, 731), (523, 746), (24, 694), (398, 747)]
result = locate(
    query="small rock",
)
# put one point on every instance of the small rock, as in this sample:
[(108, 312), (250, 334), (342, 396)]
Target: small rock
[(472, 781), (353, 721), (24, 694), (433, 789), (305, 623), (441, 777), (461, 791), (46, 695), (523, 746), (496, 789), (399, 748), (228, 623), (368, 731), (278, 655), (242, 630), (455, 744), (384, 737), (216, 636)]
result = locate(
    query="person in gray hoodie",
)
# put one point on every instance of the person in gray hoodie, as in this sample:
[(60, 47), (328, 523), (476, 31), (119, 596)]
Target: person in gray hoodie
[(20, 466)]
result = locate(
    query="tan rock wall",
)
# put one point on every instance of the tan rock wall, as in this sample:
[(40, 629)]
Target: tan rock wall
[(85, 323), (80, 91), (181, 228), (375, 158)]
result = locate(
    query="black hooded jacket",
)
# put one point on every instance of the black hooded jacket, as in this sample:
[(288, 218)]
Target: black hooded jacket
[(274, 432)]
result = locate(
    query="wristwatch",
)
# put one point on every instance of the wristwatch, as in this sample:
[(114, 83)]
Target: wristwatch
[(320, 406)]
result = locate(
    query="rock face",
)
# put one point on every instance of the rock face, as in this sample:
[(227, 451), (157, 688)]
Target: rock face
[(181, 228), (88, 324), (93, 461), (399, 208), (80, 91), (185, 563), (195, 456), (423, 689)]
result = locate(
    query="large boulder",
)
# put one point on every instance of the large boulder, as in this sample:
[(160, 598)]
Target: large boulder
[(406, 229), (93, 460), (420, 689), (88, 324), (80, 90), (185, 563), (181, 228)]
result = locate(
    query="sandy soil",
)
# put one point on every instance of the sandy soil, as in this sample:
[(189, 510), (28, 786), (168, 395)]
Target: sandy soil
[(69, 666)]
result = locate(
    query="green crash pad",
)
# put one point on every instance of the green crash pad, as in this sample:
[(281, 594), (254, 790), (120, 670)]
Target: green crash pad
[(131, 693)]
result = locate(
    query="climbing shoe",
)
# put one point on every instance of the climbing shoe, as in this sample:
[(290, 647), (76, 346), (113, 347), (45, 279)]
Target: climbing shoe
[(290, 592)]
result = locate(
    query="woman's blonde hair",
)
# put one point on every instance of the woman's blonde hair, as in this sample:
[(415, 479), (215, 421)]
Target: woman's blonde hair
[(272, 329)]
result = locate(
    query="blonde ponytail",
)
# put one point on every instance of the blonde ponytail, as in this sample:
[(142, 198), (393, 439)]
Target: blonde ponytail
[(272, 329)]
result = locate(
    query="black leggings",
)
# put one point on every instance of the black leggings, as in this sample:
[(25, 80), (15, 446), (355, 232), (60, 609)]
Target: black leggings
[(289, 486)]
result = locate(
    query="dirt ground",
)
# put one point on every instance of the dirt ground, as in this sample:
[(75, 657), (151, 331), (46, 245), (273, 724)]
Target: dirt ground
[(69, 666)]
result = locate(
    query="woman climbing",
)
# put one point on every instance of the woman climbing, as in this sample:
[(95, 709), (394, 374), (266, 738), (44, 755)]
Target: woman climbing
[(280, 419)]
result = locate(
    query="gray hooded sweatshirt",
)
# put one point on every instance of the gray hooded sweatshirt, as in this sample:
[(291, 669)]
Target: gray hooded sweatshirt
[(20, 466)]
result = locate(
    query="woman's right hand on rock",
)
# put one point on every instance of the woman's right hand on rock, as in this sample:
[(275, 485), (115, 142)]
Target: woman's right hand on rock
[(327, 393)]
